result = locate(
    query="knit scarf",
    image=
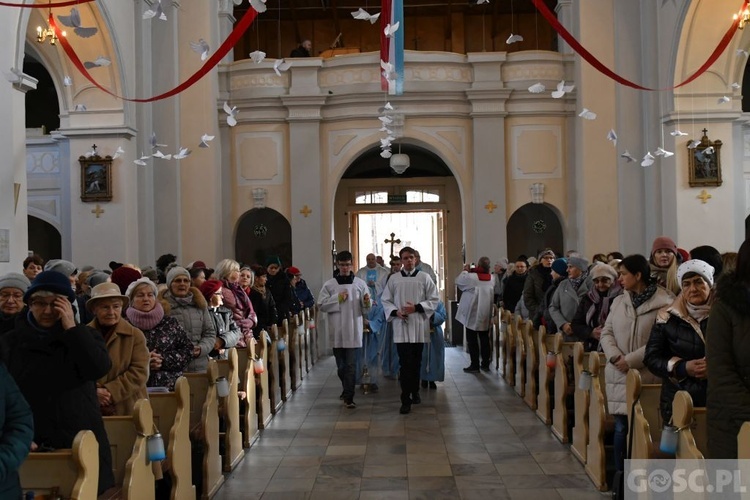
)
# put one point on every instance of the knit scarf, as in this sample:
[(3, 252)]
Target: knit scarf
[(698, 313), (481, 275), (642, 297), (576, 282), (184, 301), (240, 297), (260, 289), (145, 320), (605, 298)]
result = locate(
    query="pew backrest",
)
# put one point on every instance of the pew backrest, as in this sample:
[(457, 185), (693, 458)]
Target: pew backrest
[(647, 423), (743, 442), (683, 419)]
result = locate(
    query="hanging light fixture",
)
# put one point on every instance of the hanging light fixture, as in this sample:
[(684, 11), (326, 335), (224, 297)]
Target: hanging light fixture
[(48, 32), (400, 162), (744, 18)]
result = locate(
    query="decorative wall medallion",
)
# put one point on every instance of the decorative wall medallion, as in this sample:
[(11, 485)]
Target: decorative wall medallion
[(539, 226), (260, 230)]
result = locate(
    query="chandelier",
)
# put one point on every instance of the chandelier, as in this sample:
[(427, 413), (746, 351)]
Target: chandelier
[(43, 33), (744, 18)]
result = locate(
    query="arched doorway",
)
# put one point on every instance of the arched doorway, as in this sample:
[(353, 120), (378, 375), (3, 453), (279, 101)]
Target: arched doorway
[(42, 103), (422, 207), (44, 239), (532, 228), (262, 232)]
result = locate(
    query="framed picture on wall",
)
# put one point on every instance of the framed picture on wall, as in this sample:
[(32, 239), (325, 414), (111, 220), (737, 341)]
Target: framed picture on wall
[(96, 178), (704, 162)]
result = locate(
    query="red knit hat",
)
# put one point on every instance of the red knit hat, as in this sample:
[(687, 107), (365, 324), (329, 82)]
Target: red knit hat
[(124, 276), (210, 287), (293, 271), (663, 242)]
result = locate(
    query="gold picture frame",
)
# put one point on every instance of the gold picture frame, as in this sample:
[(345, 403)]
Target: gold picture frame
[(704, 162), (96, 178)]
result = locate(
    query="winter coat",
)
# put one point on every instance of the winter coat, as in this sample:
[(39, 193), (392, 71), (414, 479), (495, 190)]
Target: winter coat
[(126, 379), (56, 371), (226, 329), (169, 339), (676, 334), (583, 328), (536, 284), (564, 303), (283, 295), (477, 297), (304, 295), (17, 431), (513, 290), (236, 300), (196, 321), (8, 323), (626, 333), (728, 362), (265, 308), (543, 317)]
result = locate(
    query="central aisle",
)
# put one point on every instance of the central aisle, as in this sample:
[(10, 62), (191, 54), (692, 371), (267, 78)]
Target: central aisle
[(473, 437)]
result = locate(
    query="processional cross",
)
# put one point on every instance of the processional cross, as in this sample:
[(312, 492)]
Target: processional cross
[(393, 241)]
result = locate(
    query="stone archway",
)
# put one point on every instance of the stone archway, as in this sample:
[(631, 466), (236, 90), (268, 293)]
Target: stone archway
[(262, 232), (532, 228), (44, 239)]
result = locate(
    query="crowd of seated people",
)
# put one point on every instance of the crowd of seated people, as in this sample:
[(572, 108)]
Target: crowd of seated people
[(83, 344)]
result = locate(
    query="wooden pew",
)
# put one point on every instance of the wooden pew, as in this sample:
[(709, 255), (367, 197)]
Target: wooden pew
[(248, 418), (600, 422), (581, 401), (230, 411), (305, 342), (312, 328), (172, 417), (502, 338), (510, 349), (520, 362), (532, 364), (743, 442), (70, 473), (204, 423), (285, 362), (495, 336), (297, 339), (546, 376), (262, 387), (691, 425), (134, 476), (562, 406), (647, 423), (272, 367)]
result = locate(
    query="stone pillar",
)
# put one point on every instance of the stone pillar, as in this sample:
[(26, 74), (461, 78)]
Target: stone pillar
[(14, 231), (485, 209), (564, 11)]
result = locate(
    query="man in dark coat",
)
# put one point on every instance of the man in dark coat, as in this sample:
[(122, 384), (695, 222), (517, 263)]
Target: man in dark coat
[(513, 287), (303, 50), (17, 431), (56, 364)]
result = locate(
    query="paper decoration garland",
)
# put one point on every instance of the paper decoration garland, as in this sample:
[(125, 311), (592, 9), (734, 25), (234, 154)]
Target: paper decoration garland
[(212, 61), (592, 60)]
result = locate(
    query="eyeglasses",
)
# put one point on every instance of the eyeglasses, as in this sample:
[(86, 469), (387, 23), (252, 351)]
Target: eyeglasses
[(601, 280), (42, 305), (181, 280), (6, 296)]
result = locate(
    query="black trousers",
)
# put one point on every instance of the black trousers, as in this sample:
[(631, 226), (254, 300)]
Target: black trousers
[(345, 359), (479, 341), (410, 357)]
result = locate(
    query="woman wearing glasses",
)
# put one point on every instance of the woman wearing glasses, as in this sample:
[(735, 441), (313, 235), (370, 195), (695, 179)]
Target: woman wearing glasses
[(12, 288)]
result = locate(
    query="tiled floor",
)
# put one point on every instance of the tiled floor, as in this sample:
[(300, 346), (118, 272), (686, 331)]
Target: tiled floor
[(471, 438)]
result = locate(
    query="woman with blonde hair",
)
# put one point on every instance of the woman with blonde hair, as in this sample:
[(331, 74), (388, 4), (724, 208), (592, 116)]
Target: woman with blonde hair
[(235, 298)]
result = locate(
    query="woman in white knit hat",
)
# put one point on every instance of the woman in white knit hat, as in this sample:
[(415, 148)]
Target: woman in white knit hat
[(676, 350)]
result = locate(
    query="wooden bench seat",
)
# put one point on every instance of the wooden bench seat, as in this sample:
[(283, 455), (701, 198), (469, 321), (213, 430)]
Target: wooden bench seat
[(172, 417), (502, 340), (691, 425), (134, 476), (581, 401), (544, 345), (249, 413), (262, 381), (520, 361), (230, 411), (71, 473), (532, 364), (647, 423), (285, 362), (563, 404), (600, 424), (204, 425), (510, 352)]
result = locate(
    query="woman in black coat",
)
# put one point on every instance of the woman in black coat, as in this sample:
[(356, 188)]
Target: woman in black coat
[(676, 349), (281, 289), (56, 364), (594, 306), (17, 431)]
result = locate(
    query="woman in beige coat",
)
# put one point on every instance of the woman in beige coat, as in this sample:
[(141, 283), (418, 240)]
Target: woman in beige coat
[(624, 339), (125, 383)]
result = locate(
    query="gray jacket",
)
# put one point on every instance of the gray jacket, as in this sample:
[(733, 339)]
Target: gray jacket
[(197, 323), (564, 303)]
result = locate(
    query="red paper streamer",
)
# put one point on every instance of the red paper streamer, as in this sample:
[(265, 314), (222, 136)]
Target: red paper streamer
[(212, 61), (596, 63), (44, 6)]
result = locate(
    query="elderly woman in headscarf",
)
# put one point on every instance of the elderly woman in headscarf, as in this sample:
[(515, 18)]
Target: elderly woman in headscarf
[(56, 364), (170, 349), (235, 299), (594, 307), (676, 349), (125, 383), (188, 306)]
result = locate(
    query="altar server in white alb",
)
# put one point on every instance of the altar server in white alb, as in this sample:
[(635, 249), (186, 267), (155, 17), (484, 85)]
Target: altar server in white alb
[(475, 310), (346, 300), (409, 299)]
